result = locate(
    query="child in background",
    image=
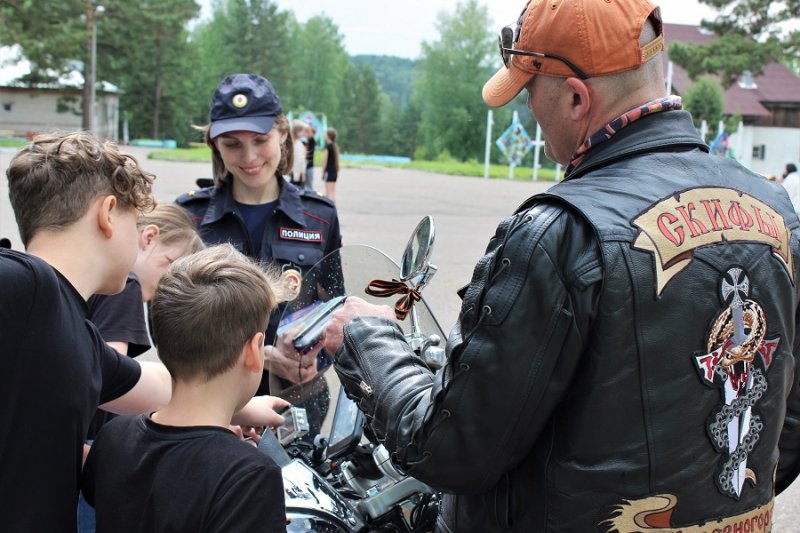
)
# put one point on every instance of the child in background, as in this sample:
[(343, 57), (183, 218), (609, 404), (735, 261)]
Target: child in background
[(330, 164), (166, 233), (181, 468), (299, 163)]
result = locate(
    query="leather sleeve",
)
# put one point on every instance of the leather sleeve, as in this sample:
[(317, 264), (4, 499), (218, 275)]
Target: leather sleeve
[(523, 326), (789, 444)]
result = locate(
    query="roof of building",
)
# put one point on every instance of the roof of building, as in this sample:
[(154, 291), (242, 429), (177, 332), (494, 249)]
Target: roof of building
[(13, 66), (776, 85)]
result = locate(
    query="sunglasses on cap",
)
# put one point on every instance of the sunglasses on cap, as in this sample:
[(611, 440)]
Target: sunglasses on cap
[(507, 50)]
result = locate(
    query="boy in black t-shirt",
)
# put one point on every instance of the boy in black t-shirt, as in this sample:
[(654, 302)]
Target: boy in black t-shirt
[(181, 468), (76, 201)]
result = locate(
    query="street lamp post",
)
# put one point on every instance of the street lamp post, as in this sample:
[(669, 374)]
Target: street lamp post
[(93, 71)]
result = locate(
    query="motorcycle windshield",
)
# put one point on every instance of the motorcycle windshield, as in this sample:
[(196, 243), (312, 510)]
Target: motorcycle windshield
[(347, 271)]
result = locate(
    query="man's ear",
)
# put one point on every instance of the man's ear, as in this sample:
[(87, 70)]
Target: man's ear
[(581, 99), (148, 236), (253, 353), (104, 218)]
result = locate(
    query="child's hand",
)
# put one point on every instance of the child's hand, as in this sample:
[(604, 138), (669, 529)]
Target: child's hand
[(261, 411), (248, 434)]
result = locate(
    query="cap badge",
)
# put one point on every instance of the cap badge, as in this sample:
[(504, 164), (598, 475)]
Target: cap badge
[(239, 100)]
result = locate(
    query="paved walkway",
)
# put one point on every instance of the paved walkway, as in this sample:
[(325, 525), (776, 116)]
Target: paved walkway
[(381, 207)]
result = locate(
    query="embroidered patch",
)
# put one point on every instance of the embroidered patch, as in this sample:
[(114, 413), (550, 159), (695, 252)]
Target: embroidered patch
[(655, 514), (676, 226), (738, 356), (301, 235)]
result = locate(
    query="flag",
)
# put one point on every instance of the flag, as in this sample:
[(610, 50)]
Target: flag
[(515, 141), (720, 145)]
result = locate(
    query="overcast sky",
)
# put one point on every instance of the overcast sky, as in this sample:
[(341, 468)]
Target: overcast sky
[(397, 27)]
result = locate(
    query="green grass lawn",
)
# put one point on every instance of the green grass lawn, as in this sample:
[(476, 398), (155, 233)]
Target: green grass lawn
[(200, 154), (455, 168), (13, 142), (469, 168)]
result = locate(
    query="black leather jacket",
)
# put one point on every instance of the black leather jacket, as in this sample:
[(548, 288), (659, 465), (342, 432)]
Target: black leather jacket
[(586, 376)]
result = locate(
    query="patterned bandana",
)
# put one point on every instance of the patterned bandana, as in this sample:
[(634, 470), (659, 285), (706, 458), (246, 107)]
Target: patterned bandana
[(670, 103)]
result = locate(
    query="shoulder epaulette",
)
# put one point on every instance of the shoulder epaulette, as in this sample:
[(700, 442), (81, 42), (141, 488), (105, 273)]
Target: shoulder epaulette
[(195, 194), (316, 195)]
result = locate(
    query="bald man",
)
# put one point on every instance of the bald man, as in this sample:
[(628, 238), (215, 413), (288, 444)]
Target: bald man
[(624, 359)]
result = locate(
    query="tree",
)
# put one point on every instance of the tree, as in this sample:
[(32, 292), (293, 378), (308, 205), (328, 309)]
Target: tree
[(52, 34), (320, 63), (754, 18), (750, 37), (705, 100), (728, 57), (398, 128), (359, 125), (452, 72), (395, 74), (250, 36), (142, 48)]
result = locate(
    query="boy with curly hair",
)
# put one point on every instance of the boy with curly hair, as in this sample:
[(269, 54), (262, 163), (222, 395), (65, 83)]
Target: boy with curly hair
[(76, 200)]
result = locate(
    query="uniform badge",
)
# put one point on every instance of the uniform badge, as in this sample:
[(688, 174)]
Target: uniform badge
[(239, 100), (303, 235), (737, 359), (292, 280)]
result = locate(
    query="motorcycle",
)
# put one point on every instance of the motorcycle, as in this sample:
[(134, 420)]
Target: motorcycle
[(337, 476)]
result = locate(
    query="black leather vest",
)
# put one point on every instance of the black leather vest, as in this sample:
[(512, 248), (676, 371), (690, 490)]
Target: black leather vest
[(696, 325)]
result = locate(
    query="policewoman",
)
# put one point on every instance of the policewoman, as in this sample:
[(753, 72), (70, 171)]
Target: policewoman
[(253, 207)]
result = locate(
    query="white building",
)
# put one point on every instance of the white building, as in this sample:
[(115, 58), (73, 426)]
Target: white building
[(769, 104), (26, 110)]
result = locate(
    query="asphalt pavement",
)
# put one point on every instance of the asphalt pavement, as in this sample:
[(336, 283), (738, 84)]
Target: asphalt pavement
[(381, 207)]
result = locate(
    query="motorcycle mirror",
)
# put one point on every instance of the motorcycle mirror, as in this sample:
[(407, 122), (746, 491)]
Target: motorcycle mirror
[(418, 249)]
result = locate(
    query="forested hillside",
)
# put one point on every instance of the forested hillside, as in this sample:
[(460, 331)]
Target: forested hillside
[(395, 74)]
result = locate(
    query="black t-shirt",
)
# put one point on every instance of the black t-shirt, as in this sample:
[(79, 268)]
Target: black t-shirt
[(56, 369), (311, 145), (145, 477), (331, 163), (119, 318)]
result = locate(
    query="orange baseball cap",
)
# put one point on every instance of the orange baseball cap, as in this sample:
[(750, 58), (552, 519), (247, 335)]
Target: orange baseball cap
[(564, 38)]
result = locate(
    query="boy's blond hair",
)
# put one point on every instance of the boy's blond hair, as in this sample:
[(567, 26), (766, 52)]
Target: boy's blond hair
[(175, 227), (206, 307), (53, 179)]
